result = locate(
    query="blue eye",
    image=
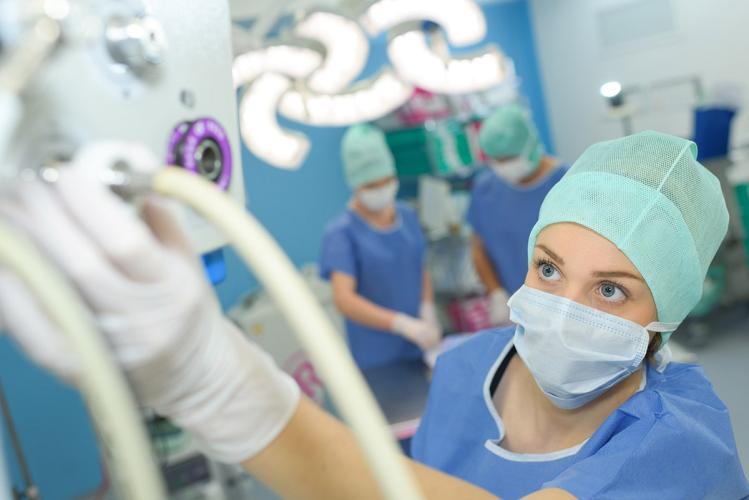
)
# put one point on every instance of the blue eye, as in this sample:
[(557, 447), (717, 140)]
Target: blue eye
[(547, 272), (611, 292)]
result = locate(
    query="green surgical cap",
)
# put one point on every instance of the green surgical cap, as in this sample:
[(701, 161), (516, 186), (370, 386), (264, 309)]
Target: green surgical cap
[(366, 156), (509, 132), (647, 194)]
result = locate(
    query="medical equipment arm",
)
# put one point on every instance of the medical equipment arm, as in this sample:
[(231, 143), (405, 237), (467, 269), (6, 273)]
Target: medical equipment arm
[(332, 465), (5, 490)]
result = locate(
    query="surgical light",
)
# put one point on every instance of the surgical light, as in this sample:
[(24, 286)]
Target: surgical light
[(418, 64), (294, 60), (260, 129), (346, 46), (364, 102)]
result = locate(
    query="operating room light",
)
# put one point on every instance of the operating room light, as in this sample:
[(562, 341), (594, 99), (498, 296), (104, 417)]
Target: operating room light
[(329, 50), (365, 102), (295, 61), (346, 45), (417, 63), (260, 129), (462, 20)]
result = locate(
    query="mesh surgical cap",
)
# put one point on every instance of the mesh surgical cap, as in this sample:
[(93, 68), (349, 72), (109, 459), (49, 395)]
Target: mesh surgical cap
[(509, 132), (647, 194), (366, 156)]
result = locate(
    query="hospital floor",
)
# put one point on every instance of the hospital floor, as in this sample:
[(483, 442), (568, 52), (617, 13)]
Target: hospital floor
[(725, 358)]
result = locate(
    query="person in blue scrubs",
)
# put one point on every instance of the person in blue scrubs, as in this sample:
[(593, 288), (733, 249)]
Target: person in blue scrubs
[(579, 399), (374, 256), (505, 201)]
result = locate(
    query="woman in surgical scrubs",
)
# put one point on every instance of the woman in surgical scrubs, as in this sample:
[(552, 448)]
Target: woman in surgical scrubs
[(373, 255), (578, 400), (505, 201)]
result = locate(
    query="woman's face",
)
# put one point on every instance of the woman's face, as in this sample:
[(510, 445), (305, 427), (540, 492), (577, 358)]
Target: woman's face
[(574, 262)]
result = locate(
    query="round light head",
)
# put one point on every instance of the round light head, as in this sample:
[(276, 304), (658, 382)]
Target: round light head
[(611, 89)]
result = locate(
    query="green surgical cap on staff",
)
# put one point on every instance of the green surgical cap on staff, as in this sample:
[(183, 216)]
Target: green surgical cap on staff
[(647, 194), (366, 155), (509, 132)]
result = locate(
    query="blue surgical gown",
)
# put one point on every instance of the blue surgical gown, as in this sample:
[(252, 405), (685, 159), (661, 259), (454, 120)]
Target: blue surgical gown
[(388, 267), (502, 215), (670, 440)]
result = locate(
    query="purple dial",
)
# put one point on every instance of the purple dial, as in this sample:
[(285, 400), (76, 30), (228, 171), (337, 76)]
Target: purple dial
[(174, 147), (202, 147)]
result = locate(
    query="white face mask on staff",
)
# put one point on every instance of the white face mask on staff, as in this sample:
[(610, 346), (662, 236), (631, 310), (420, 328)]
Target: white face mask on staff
[(380, 198), (514, 170), (576, 352)]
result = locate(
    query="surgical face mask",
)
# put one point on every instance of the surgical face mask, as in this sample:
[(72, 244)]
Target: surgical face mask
[(512, 171), (518, 168), (576, 352), (379, 198)]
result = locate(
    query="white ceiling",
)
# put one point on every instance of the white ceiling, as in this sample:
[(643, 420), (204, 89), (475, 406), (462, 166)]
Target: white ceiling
[(248, 9)]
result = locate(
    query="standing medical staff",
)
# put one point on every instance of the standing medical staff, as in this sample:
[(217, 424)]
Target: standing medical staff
[(374, 256), (505, 201), (577, 401)]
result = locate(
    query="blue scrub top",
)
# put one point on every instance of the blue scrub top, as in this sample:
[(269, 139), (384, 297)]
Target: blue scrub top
[(672, 439), (502, 215), (388, 266)]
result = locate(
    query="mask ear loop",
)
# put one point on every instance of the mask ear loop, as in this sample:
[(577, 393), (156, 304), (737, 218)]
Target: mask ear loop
[(663, 356)]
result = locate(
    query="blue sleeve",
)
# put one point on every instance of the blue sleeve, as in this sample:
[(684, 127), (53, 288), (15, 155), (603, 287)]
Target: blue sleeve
[(686, 450), (411, 219), (337, 253)]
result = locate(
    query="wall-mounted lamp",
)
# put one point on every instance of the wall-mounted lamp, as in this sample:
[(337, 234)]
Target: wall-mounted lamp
[(612, 91), (615, 96)]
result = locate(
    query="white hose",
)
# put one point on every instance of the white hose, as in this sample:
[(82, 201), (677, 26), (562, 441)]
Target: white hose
[(102, 384), (10, 115), (272, 267)]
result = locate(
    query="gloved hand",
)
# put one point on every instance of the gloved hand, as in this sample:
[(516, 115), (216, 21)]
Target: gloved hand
[(428, 313), (418, 331), (499, 312), (146, 289)]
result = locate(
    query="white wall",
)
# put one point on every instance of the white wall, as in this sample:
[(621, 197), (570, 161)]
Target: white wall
[(709, 38)]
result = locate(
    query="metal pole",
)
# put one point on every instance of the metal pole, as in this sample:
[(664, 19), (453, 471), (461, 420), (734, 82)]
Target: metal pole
[(30, 491)]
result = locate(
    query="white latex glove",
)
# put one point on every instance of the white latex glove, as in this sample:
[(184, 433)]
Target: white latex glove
[(499, 312), (418, 331), (148, 294), (428, 313)]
